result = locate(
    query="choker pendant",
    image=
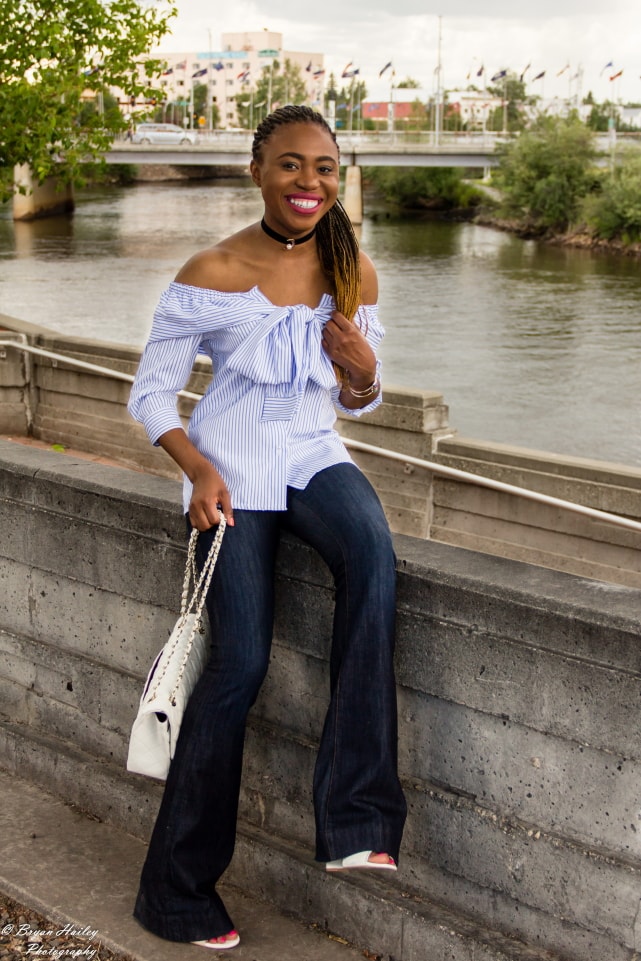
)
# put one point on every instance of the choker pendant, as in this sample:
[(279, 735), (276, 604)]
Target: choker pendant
[(289, 242)]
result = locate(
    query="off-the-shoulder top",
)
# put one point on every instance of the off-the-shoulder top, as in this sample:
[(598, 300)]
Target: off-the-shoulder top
[(266, 420)]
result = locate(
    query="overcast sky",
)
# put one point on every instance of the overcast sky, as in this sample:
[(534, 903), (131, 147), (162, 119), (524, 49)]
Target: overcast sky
[(548, 35)]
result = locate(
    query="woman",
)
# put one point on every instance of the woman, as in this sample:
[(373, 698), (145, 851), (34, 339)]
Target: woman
[(286, 310)]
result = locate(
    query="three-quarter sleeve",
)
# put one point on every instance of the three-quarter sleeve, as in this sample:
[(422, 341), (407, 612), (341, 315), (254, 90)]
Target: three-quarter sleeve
[(164, 369)]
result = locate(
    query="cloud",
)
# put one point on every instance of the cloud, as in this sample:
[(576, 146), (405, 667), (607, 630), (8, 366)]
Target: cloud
[(498, 33)]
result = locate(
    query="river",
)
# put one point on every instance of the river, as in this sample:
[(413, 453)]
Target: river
[(531, 345)]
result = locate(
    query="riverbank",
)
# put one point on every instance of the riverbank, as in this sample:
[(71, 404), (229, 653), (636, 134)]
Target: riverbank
[(579, 238)]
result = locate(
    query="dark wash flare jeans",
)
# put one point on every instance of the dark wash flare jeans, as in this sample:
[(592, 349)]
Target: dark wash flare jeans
[(358, 801)]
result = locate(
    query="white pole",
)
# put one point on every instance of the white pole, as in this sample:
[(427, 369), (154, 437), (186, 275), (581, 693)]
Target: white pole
[(437, 114)]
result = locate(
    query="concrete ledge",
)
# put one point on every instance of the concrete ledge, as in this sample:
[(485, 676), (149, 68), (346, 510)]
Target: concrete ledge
[(518, 740)]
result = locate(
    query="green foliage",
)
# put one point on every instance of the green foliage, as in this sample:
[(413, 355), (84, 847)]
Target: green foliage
[(278, 86), (615, 211), (51, 52), (105, 104), (408, 84), (121, 174), (601, 114), (511, 117), (421, 188), (348, 103), (200, 106), (546, 172)]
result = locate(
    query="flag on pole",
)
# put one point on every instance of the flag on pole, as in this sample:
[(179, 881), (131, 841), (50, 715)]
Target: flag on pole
[(308, 68), (200, 73), (480, 72), (386, 67), (166, 73), (522, 77), (350, 73), (539, 76), (243, 76), (318, 73), (615, 76), (608, 64), (181, 66), (561, 72), (498, 76), (218, 66)]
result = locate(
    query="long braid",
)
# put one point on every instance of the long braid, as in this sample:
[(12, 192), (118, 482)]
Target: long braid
[(335, 238)]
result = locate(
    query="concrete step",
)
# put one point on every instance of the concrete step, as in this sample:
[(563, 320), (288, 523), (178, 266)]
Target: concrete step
[(56, 859), (76, 870)]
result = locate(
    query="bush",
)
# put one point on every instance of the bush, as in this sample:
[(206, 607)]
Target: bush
[(547, 171), (421, 188), (615, 212)]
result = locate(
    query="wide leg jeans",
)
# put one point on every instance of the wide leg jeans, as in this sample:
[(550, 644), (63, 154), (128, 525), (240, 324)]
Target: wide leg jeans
[(358, 801)]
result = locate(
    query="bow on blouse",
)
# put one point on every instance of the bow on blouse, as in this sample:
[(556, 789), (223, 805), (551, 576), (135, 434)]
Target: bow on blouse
[(285, 349)]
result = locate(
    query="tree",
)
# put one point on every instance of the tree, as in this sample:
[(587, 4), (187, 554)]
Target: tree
[(409, 84), (424, 188), (54, 52), (277, 86), (200, 106), (511, 89), (615, 210), (348, 105), (601, 116), (545, 174)]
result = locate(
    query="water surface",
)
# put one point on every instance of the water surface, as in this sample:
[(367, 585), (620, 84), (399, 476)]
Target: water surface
[(531, 345)]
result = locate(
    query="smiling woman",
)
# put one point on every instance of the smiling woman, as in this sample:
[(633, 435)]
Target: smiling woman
[(286, 309)]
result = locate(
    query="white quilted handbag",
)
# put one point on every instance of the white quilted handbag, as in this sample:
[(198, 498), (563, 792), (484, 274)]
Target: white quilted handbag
[(175, 671)]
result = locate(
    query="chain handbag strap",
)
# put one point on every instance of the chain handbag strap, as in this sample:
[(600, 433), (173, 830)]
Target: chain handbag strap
[(192, 602)]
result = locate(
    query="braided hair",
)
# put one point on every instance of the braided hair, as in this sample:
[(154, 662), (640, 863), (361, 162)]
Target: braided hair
[(335, 238)]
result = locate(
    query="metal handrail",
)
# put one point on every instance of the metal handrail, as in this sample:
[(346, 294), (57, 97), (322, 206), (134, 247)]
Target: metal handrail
[(84, 365), (441, 469), (482, 481)]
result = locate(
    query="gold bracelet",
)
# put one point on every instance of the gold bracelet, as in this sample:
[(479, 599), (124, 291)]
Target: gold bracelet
[(370, 391)]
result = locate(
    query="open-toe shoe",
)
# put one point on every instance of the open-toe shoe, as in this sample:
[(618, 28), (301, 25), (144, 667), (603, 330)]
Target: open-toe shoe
[(231, 941), (360, 861)]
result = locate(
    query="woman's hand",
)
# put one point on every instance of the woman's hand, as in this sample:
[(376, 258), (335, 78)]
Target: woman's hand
[(209, 496), (346, 346), (209, 489)]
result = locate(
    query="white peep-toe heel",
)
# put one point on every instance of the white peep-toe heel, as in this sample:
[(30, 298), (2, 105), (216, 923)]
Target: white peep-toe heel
[(361, 861)]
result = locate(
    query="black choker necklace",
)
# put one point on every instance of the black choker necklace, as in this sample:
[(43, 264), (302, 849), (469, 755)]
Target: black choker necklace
[(288, 241)]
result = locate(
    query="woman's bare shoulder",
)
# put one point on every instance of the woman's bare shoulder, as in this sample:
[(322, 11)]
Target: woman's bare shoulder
[(369, 280), (227, 266)]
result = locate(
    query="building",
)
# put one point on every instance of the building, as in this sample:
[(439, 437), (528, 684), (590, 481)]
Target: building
[(409, 105), (234, 69)]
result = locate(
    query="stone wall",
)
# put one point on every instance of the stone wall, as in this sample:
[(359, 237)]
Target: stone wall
[(519, 738)]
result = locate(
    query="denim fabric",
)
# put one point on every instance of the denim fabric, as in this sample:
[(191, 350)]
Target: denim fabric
[(358, 801)]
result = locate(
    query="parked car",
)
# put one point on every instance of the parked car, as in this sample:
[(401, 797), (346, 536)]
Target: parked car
[(162, 133)]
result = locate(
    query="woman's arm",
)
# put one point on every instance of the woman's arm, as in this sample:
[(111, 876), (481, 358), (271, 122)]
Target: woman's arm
[(209, 489)]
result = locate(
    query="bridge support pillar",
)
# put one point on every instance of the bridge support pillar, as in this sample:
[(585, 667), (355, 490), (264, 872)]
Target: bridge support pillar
[(41, 199), (353, 202)]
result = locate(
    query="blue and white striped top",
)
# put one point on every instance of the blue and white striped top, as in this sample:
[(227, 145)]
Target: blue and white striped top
[(266, 420)]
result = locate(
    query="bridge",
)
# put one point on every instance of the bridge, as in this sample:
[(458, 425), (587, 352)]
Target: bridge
[(360, 149), (394, 149)]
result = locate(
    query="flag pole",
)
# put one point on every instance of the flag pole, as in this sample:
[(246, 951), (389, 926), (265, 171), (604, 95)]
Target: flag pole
[(437, 114)]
